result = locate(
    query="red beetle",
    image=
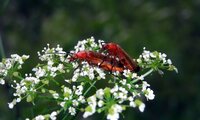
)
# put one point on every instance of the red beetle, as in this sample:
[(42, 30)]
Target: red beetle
[(98, 59), (117, 52)]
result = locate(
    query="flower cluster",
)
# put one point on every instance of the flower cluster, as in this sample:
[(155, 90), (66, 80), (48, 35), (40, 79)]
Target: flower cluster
[(10, 65), (71, 83), (155, 60)]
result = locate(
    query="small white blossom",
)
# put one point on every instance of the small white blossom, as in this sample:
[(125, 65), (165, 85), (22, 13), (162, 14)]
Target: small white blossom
[(145, 85), (39, 72), (67, 90), (141, 77), (55, 95), (141, 107), (149, 95), (72, 110), (53, 115), (62, 104), (169, 61), (100, 103), (12, 104), (17, 58), (132, 104), (116, 88), (90, 110), (39, 117), (75, 103), (100, 72), (79, 90), (2, 81), (100, 93), (113, 113), (32, 79), (81, 99)]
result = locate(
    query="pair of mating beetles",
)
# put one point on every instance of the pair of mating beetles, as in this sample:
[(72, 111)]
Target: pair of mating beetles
[(116, 59)]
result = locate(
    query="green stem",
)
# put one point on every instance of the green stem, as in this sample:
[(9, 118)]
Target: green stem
[(144, 75), (89, 88), (2, 49)]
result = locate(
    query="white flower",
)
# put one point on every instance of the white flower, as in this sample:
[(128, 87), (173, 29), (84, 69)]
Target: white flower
[(132, 104), (141, 77), (32, 79), (100, 72), (17, 58), (81, 99), (145, 85), (67, 90), (24, 57), (141, 107), (39, 72), (123, 82), (72, 110), (134, 75), (89, 111), (152, 55), (113, 113), (130, 98), (169, 61), (55, 95), (75, 65), (115, 89), (2, 81), (100, 103), (53, 115), (12, 104), (127, 73), (149, 95), (18, 100), (79, 90), (75, 103), (58, 48), (114, 116), (39, 117), (92, 100), (60, 68), (62, 104), (100, 93)]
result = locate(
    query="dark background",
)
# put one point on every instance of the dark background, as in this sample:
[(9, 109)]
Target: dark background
[(170, 26)]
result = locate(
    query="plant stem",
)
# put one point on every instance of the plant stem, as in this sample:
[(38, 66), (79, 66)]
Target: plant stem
[(2, 48), (89, 88), (144, 75)]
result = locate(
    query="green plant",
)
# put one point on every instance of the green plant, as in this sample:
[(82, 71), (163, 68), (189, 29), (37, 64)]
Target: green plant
[(67, 83)]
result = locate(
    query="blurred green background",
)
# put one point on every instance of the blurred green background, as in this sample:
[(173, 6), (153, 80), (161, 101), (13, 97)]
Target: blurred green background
[(170, 26)]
